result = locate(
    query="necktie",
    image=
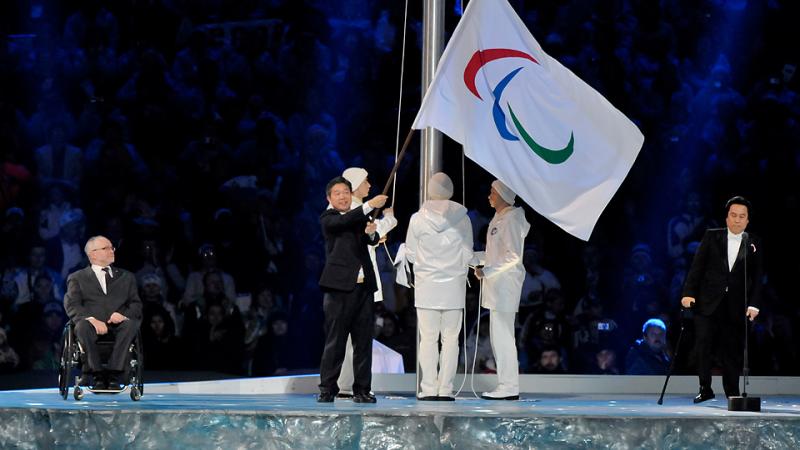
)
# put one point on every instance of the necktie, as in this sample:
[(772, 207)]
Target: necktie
[(107, 270)]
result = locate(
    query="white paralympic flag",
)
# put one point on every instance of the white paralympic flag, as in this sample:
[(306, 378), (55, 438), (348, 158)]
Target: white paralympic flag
[(528, 120)]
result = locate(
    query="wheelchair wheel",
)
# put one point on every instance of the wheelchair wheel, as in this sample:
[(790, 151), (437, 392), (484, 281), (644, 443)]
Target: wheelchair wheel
[(65, 365), (135, 394), (78, 393), (138, 370), (63, 376)]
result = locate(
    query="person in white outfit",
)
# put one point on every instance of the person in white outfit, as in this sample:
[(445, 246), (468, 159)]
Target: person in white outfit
[(361, 186), (439, 244), (502, 276)]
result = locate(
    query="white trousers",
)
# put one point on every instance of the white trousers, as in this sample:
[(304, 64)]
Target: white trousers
[(346, 376), (504, 347), (434, 323)]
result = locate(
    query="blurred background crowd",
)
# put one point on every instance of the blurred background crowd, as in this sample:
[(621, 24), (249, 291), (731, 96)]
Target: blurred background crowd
[(198, 137)]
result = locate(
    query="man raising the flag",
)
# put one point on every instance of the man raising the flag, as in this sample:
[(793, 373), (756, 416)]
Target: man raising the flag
[(528, 120)]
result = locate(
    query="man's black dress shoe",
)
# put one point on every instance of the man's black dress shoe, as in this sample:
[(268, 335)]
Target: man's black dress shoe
[(116, 380), (510, 397), (364, 398), (85, 379), (704, 395), (325, 397)]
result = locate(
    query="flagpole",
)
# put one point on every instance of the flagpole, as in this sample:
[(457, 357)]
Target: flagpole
[(430, 160), (393, 172), (432, 47)]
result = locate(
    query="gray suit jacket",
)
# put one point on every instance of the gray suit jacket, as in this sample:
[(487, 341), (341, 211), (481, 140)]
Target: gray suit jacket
[(85, 297)]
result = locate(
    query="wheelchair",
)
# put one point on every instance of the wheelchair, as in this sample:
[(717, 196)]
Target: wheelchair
[(72, 359)]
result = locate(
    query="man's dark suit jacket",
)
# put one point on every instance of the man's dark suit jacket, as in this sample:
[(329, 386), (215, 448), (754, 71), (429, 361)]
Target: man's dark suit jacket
[(346, 250), (85, 297), (709, 279)]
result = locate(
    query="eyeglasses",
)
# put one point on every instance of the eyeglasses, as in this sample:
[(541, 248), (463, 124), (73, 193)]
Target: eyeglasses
[(108, 247)]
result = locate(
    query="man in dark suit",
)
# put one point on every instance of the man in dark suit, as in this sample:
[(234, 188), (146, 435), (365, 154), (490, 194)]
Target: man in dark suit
[(349, 284), (102, 300), (723, 287)]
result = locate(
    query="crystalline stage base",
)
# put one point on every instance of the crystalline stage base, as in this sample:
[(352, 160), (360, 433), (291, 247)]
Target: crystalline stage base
[(169, 418)]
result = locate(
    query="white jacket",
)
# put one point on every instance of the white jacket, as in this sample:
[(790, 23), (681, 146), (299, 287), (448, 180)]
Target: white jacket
[(439, 244), (503, 270), (385, 225)]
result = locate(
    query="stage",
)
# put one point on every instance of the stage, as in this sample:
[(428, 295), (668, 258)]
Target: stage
[(180, 415)]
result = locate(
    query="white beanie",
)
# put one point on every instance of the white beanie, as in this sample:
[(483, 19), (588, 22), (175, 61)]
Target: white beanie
[(355, 175), (505, 193), (440, 187)]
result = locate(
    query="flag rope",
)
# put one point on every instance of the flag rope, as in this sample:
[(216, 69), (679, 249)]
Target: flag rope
[(400, 97)]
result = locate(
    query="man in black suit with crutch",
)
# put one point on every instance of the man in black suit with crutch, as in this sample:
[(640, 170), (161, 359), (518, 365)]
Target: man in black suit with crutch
[(101, 300), (348, 283), (726, 267)]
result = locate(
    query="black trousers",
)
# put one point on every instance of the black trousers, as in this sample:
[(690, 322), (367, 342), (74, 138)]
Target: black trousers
[(348, 313), (122, 333), (726, 330)]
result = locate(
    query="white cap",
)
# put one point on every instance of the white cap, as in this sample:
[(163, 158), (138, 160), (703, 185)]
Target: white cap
[(505, 193), (440, 187), (355, 175)]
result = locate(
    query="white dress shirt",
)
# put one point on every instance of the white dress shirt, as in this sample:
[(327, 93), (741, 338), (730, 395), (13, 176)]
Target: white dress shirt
[(734, 242), (101, 276)]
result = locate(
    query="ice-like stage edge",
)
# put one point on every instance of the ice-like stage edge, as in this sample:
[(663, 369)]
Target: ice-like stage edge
[(562, 412)]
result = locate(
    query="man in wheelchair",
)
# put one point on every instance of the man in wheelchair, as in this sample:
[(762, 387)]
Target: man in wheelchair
[(103, 301)]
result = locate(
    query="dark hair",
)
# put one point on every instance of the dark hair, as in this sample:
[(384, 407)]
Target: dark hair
[(550, 348), (738, 200), (211, 273), (334, 182)]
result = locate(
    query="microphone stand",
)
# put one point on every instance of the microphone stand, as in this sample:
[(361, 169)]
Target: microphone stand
[(743, 402), (674, 359)]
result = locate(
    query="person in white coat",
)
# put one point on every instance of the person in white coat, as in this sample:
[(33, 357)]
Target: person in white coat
[(502, 276), (439, 244), (361, 186)]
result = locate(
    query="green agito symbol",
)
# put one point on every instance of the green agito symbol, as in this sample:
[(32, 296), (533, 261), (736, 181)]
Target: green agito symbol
[(551, 156), (483, 57)]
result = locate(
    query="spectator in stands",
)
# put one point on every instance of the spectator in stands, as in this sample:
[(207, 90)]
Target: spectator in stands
[(483, 359), (26, 277), (217, 340), (156, 264), (538, 280), (58, 193), (9, 360), (643, 284), (550, 361), (605, 363), (15, 235), (687, 227), (153, 301), (164, 351), (64, 252), (648, 355), (208, 262), (58, 161), (274, 354)]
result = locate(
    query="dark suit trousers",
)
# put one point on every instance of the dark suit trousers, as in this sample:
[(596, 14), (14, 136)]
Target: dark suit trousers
[(348, 313), (122, 334), (728, 332)]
